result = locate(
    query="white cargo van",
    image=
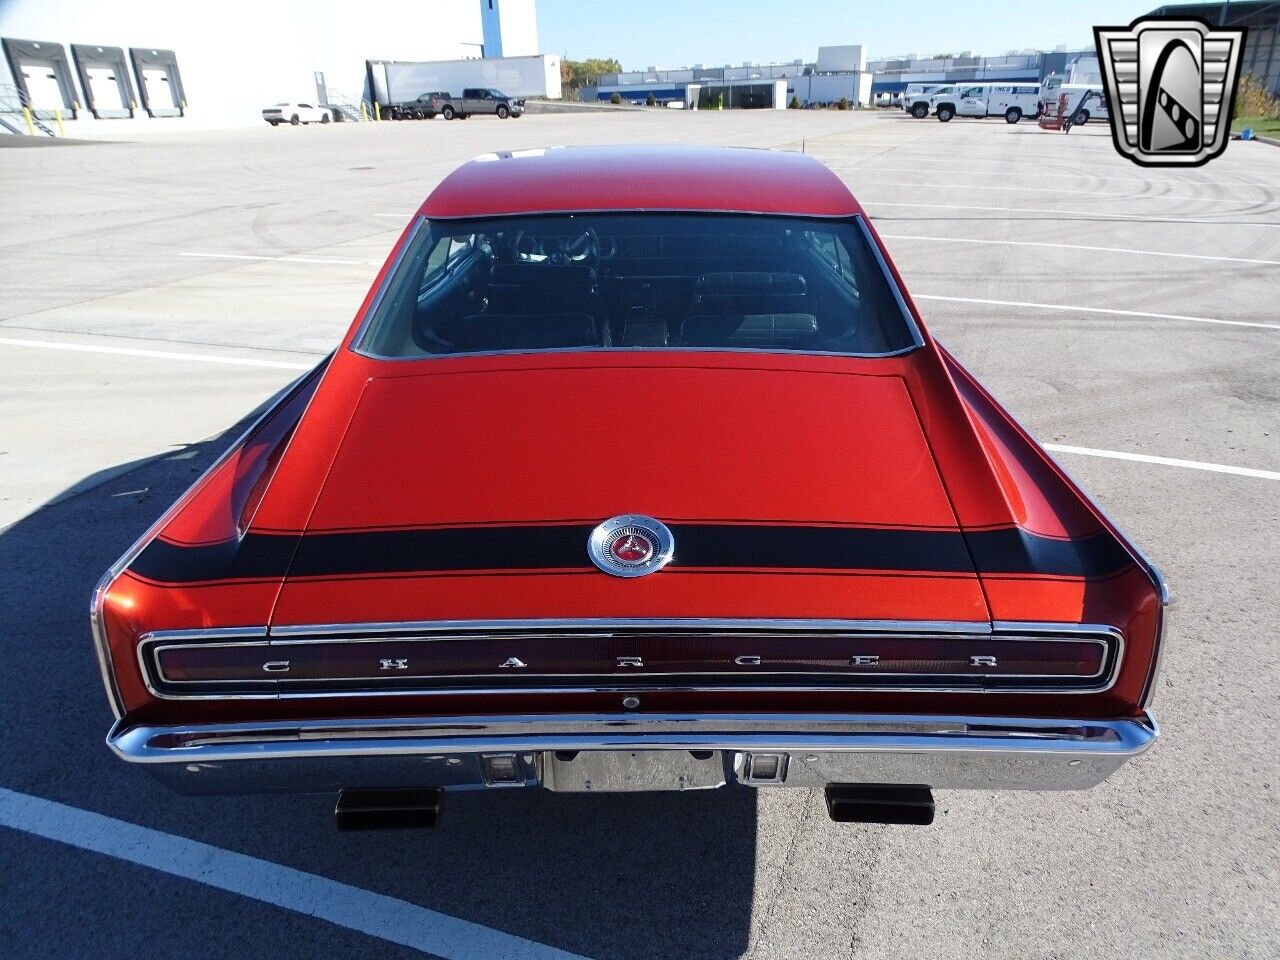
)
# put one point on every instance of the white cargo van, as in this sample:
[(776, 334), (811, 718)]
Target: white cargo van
[(1095, 108), (1013, 101)]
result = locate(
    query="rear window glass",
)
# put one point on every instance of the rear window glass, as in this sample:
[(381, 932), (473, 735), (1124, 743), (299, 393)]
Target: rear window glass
[(638, 281)]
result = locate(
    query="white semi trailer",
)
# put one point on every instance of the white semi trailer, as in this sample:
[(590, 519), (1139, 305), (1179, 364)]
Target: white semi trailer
[(400, 81)]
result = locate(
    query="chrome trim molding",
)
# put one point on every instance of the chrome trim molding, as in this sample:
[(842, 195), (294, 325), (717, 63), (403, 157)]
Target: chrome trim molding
[(101, 645), (907, 315), (150, 644), (640, 623), (1164, 635), (414, 227), (944, 752)]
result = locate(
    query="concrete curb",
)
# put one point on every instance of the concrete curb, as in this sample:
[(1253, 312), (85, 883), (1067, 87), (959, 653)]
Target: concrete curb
[(569, 106)]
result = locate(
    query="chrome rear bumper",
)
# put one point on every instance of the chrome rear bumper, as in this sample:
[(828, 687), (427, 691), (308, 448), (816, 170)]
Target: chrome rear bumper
[(635, 752)]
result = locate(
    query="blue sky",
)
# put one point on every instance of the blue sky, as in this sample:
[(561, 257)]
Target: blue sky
[(670, 33)]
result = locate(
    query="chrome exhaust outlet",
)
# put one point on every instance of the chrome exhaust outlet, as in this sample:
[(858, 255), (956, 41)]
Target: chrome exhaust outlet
[(880, 803), (407, 808)]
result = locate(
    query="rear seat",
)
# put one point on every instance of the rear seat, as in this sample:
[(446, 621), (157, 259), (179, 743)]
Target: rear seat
[(525, 288), (750, 309), (778, 331), (510, 331)]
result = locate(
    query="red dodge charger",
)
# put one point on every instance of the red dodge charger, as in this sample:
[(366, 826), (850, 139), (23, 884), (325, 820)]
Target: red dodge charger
[(637, 470)]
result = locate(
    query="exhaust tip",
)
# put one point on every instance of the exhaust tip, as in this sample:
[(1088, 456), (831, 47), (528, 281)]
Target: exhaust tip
[(404, 809), (880, 803)]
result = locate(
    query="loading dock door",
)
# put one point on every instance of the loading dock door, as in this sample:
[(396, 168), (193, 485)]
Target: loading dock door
[(42, 88), (159, 89), (159, 82), (104, 78), (42, 75), (103, 89)]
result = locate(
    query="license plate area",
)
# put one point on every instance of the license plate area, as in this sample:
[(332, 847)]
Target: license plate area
[(613, 771)]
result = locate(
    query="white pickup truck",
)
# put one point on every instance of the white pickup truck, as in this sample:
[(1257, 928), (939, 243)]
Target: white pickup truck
[(915, 99), (1013, 101)]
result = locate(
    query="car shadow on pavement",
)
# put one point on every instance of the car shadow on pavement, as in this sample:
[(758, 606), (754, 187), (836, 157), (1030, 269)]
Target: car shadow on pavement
[(626, 875)]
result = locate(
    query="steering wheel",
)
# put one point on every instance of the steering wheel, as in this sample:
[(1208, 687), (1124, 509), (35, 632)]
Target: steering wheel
[(578, 249)]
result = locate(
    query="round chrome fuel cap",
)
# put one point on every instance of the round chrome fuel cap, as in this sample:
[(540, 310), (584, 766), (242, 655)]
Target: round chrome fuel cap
[(631, 546)]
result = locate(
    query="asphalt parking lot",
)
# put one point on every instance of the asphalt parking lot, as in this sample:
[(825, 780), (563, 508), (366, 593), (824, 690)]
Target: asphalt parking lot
[(153, 294)]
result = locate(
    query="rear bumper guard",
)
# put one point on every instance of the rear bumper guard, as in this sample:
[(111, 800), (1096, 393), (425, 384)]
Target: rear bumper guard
[(634, 752)]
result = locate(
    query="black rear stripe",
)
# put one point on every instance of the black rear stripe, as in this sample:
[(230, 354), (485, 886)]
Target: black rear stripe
[(564, 547)]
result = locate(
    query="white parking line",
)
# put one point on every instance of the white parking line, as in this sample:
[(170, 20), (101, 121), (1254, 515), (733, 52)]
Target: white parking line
[(1104, 310), (1052, 171), (1086, 214), (1046, 191), (1165, 461), (1054, 163), (373, 914), (287, 258), (157, 354), (1078, 246)]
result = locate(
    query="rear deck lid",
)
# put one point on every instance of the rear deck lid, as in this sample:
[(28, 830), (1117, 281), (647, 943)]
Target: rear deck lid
[(471, 495)]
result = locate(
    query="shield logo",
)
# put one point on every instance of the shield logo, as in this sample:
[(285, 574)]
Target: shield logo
[(1172, 86)]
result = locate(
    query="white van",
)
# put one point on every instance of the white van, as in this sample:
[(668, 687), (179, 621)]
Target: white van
[(1013, 101), (1094, 109)]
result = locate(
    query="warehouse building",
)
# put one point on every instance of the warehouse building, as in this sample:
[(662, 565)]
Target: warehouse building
[(142, 61), (892, 74), (839, 71), (1261, 58)]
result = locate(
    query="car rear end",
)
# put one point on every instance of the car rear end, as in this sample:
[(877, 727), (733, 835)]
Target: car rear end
[(442, 624), (634, 501)]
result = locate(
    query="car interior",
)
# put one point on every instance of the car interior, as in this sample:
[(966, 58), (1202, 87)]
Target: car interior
[(649, 281)]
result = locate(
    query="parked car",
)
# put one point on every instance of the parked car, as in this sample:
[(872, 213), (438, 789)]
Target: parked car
[(479, 100), (639, 470), (1013, 101), (424, 107), (296, 113)]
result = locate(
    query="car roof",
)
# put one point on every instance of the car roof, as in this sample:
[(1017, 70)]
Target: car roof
[(569, 179)]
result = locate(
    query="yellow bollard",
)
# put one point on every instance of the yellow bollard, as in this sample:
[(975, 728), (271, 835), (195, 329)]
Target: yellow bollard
[(364, 114), (57, 118), (26, 115), (377, 111)]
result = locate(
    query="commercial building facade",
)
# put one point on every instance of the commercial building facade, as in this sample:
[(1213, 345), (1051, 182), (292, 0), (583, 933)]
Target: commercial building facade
[(839, 71), (155, 60)]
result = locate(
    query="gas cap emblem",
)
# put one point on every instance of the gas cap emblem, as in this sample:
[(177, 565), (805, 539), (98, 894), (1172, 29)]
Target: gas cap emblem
[(631, 546)]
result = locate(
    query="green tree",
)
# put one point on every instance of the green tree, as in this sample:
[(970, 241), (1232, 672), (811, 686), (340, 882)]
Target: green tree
[(616, 98), (650, 101), (576, 74), (794, 104), (842, 103)]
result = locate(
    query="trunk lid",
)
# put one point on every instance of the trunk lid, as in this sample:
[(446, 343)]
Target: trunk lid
[(470, 495)]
